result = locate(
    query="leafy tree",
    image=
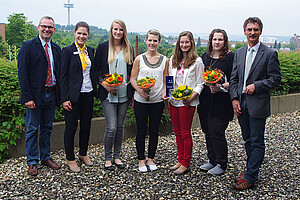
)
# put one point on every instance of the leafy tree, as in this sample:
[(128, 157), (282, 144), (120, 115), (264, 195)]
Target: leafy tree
[(19, 29), (199, 42), (279, 45), (201, 50), (292, 46), (3, 48), (238, 45)]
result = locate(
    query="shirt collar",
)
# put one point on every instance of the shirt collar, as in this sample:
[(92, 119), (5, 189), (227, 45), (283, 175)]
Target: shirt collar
[(255, 47), (43, 42)]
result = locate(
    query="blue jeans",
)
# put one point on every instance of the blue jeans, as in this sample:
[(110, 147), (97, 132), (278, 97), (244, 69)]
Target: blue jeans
[(39, 125), (114, 114), (253, 134)]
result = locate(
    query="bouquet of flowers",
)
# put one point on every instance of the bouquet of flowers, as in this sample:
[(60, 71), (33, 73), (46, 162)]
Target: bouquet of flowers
[(145, 84), (113, 80), (212, 76), (182, 92)]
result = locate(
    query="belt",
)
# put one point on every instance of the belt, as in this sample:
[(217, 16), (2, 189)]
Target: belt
[(49, 89)]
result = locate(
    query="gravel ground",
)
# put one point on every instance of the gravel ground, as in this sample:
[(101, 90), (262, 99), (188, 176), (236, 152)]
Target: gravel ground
[(279, 177)]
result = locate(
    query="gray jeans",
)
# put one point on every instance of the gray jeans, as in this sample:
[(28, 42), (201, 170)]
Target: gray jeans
[(114, 114)]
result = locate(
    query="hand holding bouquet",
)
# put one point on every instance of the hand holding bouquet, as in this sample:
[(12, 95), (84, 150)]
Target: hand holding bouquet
[(212, 76), (182, 92), (145, 84), (112, 81)]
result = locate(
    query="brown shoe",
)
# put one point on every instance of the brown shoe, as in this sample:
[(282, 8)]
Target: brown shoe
[(33, 170), (85, 160), (173, 168), (182, 170), (243, 185), (73, 166), (50, 163), (240, 177)]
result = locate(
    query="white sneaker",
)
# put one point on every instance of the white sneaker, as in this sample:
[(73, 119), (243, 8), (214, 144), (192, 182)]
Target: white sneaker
[(152, 167), (207, 166), (217, 170), (143, 169)]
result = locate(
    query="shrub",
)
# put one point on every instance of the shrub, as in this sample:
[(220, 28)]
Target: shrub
[(12, 121)]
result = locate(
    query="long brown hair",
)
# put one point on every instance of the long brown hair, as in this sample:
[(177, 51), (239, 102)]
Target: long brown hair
[(178, 54), (225, 49)]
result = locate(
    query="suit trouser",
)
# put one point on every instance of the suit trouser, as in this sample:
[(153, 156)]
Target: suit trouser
[(142, 112), (84, 109), (40, 118), (253, 134), (182, 118)]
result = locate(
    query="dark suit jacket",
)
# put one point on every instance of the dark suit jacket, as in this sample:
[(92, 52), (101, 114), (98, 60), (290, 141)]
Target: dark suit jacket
[(103, 68), (32, 70), (71, 76), (264, 73)]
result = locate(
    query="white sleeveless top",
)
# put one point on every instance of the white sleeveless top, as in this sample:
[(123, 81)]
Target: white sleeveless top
[(152, 70)]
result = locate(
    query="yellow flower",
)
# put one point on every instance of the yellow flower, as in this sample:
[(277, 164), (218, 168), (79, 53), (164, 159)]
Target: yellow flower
[(180, 95), (183, 87)]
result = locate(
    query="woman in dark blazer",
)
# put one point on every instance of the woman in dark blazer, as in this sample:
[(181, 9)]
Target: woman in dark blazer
[(78, 88), (115, 56)]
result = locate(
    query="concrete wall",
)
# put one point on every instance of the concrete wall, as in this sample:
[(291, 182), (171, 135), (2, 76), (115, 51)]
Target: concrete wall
[(286, 103)]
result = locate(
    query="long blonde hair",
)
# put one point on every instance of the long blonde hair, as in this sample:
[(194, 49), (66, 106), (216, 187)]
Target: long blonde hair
[(178, 54), (126, 47)]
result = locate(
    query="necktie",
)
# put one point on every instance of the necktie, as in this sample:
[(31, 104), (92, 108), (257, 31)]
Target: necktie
[(248, 65), (49, 79), (83, 57)]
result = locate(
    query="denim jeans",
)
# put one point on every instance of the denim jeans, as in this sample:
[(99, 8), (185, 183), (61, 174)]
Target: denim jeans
[(114, 114), (253, 134), (39, 125)]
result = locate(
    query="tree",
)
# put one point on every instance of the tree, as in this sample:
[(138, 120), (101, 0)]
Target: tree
[(19, 29), (275, 45), (3, 48), (199, 42), (279, 45)]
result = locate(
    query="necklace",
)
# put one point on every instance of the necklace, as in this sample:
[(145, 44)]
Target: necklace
[(210, 63)]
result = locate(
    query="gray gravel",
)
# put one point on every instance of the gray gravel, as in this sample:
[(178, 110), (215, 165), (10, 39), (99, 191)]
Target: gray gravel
[(279, 177)]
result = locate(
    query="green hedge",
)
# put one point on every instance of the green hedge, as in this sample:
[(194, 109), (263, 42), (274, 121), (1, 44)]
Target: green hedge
[(12, 121)]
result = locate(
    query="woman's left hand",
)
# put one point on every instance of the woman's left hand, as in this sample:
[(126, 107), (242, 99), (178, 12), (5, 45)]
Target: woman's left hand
[(215, 88)]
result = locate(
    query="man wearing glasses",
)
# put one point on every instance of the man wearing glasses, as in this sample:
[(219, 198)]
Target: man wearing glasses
[(38, 70)]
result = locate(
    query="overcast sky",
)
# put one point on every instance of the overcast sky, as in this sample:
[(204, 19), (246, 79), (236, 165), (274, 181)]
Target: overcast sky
[(280, 17)]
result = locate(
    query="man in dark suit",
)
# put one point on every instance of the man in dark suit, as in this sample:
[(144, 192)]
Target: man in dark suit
[(38, 70), (255, 72)]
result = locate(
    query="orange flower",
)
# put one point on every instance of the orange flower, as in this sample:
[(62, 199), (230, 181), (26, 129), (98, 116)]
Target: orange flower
[(119, 78), (215, 76), (110, 79)]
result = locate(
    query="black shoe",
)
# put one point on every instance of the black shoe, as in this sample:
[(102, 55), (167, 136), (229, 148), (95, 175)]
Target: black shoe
[(109, 168), (120, 166)]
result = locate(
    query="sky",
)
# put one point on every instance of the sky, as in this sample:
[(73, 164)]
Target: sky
[(280, 18)]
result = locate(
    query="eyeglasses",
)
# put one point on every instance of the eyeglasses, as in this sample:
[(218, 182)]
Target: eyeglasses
[(44, 26)]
